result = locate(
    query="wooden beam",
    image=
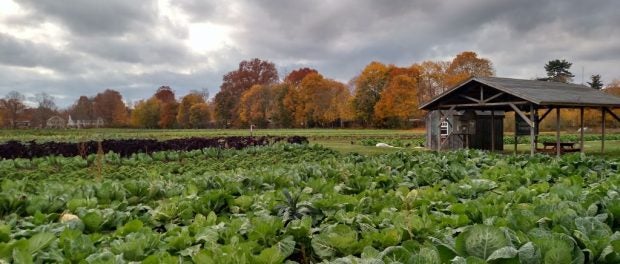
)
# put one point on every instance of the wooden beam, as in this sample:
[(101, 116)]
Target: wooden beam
[(520, 113), (492, 131), (532, 128), (442, 119), (492, 97), (481, 93), (603, 130), (545, 114), (439, 132), (487, 104), (471, 99), (612, 114), (558, 148), (581, 146)]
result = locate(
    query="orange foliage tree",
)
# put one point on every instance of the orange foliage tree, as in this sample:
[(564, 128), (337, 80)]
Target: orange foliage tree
[(168, 107), (398, 103), (186, 104), (466, 65), (296, 76), (254, 106), (321, 102), (109, 105), (236, 82), (432, 80)]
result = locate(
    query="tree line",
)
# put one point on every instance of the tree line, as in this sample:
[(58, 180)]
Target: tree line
[(381, 95)]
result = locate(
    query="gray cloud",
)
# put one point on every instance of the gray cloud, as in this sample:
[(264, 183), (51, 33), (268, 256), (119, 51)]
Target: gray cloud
[(134, 48), (109, 17), (24, 53)]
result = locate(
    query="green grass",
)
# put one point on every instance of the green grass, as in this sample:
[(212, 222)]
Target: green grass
[(110, 133), (612, 148)]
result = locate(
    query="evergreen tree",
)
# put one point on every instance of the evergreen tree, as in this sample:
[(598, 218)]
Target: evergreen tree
[(557, 71), (596, 82)]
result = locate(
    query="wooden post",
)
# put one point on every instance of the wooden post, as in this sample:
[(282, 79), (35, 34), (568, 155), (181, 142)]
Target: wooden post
[(532, 127), (439, 131), (492, 131), (516, 138), (581, 146), (558, 149), (603, 130)]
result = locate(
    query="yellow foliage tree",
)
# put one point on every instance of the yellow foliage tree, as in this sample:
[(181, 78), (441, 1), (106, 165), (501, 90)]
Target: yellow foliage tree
[(199, 115), (146, 113), (186, 103), (368, 87)]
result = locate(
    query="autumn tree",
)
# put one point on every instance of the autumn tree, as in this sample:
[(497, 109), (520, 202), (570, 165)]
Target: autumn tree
[(199, 115), (109, 105), (368, 87), (596, 82), (46, 108), (13, 106), (466, 65), (613, 87), (82, 109), (235, 83), (168, 107), (558, 71), (321, 102), (432, 79), (281, 113), (146, 113), (296, 76), (254, 105), (186, 104), (398, 102)]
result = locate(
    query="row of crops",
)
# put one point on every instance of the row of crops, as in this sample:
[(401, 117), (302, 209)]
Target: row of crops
[(308, 204), (125, 147)]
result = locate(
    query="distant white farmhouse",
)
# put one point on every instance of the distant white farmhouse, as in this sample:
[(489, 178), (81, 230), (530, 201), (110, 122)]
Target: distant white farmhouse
[(55, 122)]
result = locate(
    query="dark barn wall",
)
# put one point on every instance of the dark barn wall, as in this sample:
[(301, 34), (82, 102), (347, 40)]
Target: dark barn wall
[(482, 138)]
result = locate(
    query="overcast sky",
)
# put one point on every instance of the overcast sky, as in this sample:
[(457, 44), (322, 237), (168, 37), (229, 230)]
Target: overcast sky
[(68, 48)]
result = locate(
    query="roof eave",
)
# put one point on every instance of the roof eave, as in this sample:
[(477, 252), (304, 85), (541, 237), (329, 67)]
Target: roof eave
[(427, 104)]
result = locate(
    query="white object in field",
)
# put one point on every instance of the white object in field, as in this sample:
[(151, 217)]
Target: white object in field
[(66, 217), (383, 145), (585, 129)]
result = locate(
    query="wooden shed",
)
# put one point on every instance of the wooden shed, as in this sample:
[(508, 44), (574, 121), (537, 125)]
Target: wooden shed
[(531, 100), (465, 129)]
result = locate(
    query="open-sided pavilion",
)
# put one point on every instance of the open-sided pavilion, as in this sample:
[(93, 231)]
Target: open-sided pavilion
[(525, 98)]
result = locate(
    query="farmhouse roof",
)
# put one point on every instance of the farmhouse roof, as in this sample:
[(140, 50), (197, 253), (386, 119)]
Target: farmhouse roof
[(541, 93)]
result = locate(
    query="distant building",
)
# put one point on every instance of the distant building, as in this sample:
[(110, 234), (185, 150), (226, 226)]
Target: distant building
[(84, 123), (55, 122), (70, 122), (22, 124)]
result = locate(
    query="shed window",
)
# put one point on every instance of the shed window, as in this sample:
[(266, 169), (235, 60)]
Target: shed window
[(444, 129)]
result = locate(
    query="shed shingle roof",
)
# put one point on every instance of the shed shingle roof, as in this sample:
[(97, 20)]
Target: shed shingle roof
[(541, 92)]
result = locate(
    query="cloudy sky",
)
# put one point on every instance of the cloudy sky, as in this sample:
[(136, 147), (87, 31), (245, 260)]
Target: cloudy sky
[(68, 48)]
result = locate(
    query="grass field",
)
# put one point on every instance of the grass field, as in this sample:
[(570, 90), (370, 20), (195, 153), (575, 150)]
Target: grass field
[(109, 133), (342, 140)]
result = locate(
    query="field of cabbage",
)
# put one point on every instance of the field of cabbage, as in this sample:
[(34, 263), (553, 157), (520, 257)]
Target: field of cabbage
[(309, 204)]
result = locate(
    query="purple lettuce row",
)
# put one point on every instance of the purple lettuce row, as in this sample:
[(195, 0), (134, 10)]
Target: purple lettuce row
[(15, 149)]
